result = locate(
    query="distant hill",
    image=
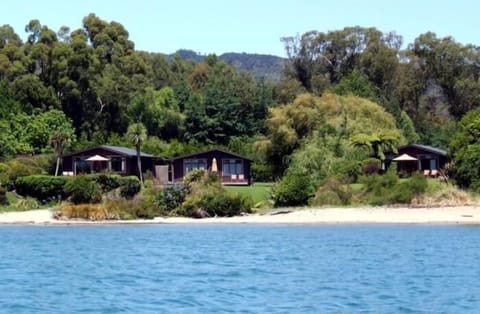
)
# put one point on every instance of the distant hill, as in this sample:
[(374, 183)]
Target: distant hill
[(268, 66)]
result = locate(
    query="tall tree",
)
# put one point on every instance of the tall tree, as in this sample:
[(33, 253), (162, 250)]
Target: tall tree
[(465, 151), (137, 134), (59, 142)]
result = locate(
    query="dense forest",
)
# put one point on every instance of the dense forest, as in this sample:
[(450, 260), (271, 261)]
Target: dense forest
[(340, 93)]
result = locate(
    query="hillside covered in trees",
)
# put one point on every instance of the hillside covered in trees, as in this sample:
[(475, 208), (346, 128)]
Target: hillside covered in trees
[(90, 84), (260, 66)]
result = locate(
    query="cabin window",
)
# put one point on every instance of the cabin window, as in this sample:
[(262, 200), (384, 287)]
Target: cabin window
[(81, 165), (117, 164), (232, 166), (192, 164)]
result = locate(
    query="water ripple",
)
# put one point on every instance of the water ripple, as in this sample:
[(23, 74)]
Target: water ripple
[(240, 269)]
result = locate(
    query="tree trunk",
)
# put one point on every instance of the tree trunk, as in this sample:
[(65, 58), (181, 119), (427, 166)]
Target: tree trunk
[(139, 165), (58, 165)]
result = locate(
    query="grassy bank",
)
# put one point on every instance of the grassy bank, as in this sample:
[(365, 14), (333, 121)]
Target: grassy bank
[(259, 192)]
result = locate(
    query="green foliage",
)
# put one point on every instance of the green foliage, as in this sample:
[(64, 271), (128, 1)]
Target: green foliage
[(347, 170), (82, 189), (408, 129), (108, 182), (223, 204), (170, 198), (3, 197), (295, 189), (198, 178), (42, 187), (387, 189), (90, 83), (378, 143), (28, 203), (314, 134), (333, 192), (13, 169), (45, 126), (211, 204), (465, 151), (129, 186), (31, 133), (370, 166), (262, 172), (357, 84), (4, 181), (206, 197)]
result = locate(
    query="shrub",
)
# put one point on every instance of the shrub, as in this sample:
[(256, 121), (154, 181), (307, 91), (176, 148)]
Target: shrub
[(262, 172), (386, 189), (82, 189), (406, 191), (377, 183), (4, 175), (347, 170), (205, 197), (25, 166), (129, 186), (3, 196), (170, 198), (41, 187), (225, 204), (215, 204), (333, 192), (108, 182), (194, 176), (18, 169), (84, 211), (295, 189), (201, 177), (27, 203), (120, 209), (370, 166)]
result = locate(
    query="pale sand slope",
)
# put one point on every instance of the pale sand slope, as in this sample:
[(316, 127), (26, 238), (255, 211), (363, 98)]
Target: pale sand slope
[(440, 215)]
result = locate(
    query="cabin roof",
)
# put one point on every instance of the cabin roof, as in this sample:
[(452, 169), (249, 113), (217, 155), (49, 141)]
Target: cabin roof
[(125, 151), (209, 151), (427, 148)]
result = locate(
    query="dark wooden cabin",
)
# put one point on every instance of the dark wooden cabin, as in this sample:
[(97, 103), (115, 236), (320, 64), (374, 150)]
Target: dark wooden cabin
[(232, 168), (121, 160), (429, 158)]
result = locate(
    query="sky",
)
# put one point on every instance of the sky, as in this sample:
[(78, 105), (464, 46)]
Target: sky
[(252, 26)]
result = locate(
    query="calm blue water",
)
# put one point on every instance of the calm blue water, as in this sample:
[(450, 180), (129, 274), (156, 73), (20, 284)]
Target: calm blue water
[(240, 268)]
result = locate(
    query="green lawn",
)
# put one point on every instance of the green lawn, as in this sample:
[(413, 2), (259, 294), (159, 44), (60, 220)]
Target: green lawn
[(259, 192)]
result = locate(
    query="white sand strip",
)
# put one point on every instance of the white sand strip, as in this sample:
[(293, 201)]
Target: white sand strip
[(434, 215)]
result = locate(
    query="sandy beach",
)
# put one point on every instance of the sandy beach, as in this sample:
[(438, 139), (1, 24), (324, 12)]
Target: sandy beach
[(367, 215)]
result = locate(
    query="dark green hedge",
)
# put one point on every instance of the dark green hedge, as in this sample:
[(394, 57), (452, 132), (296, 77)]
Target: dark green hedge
[(41, 187), (83, 189), (295, 189), (129, 186), (108, 182)]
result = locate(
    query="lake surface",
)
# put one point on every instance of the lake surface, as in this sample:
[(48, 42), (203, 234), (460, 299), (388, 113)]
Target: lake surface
[(240, 268)]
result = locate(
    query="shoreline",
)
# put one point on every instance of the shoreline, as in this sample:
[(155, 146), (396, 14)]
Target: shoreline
[(468, 215)]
